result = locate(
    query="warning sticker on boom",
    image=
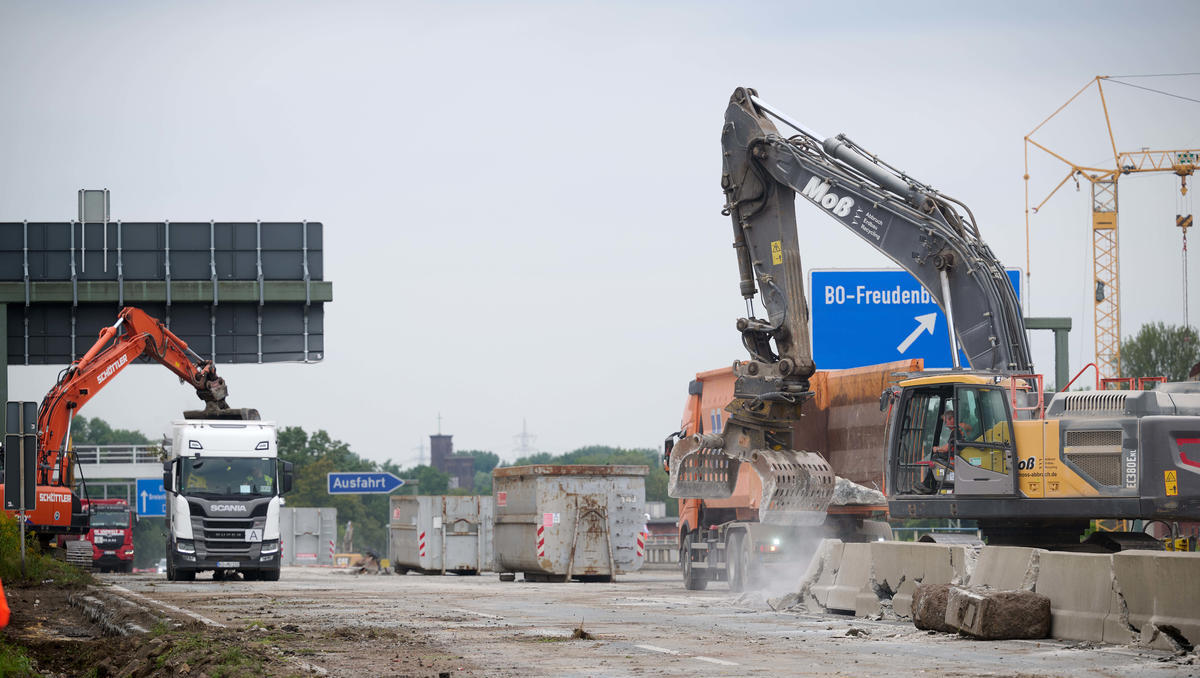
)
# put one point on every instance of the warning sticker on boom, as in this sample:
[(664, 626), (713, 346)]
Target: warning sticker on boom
[(1171, 483), (776, 252)]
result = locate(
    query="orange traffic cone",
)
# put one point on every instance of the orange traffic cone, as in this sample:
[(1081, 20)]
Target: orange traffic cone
[(3, 607)]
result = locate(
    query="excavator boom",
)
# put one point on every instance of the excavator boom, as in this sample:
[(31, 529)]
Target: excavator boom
[(134, 335), (908, 221)]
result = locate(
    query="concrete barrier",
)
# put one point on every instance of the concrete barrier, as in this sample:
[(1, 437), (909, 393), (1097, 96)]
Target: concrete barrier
[(1007, 568), (1177, 599), (1133, 581), (897, 568), (821, 575), (1159, 602), (1080, 589), (852, 576)]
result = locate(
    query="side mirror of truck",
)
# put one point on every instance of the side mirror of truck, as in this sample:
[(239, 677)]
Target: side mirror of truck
[(168, 476), (285, 482)]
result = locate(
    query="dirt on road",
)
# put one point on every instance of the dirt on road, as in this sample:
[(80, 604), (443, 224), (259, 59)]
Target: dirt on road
[(323, 622)]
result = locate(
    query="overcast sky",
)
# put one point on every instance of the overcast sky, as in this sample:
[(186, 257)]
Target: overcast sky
[(521, 200)]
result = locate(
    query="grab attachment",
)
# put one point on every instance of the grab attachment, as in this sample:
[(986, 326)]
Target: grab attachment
[(795, 487)]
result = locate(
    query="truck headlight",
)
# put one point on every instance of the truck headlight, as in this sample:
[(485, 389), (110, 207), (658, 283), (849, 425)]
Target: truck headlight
[(269, 546), (185, 546)]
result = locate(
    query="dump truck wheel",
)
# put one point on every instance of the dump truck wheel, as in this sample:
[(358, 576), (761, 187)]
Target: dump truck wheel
[(735, 561), (693, 579)]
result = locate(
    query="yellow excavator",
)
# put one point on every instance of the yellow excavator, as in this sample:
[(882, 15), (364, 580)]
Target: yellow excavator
[(975, 442)]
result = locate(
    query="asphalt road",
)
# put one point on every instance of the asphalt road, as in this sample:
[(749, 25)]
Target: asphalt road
[(645, 624)]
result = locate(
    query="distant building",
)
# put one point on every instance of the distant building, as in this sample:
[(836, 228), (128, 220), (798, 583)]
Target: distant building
[(460, 467)]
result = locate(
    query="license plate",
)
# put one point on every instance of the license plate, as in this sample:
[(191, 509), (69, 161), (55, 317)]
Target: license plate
[(227, 563), (110, 553)]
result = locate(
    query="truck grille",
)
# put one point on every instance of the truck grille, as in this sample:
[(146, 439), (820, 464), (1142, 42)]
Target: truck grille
[(1096, 453), (226, 536)]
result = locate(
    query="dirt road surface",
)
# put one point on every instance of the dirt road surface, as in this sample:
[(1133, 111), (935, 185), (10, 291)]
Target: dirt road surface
[(645, 624)]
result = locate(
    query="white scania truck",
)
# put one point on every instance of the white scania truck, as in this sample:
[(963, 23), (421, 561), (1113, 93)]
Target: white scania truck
[(224, 482)]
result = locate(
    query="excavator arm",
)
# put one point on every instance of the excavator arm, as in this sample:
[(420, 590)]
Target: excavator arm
[(908, 221), (134, 335)]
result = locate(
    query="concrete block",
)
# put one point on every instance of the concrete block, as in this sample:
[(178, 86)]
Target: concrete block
[(1133, 581), (852, 575), (1080, 589), (929, 607), (822, 572), (1006, 568), (1175, 623), (898, 567), (998, 615)]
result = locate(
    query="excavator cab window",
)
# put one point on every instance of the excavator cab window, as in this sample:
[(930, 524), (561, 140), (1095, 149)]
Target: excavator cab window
[(984, 436), (923, 430)]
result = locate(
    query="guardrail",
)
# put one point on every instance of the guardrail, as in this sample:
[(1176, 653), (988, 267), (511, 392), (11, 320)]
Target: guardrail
[(662, 551), (118, 454)]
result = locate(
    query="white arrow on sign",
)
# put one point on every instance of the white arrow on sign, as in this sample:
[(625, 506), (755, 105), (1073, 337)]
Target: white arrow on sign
[(926, 325), (144, 495)]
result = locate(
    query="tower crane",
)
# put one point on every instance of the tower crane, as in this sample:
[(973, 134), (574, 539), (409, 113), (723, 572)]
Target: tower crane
[(1105, 270)]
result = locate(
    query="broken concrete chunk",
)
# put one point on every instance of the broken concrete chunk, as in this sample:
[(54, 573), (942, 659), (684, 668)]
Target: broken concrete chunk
[(929, 607), (997, 615)]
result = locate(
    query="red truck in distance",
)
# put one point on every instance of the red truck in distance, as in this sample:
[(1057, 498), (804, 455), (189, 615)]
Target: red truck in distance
[(111, 534)]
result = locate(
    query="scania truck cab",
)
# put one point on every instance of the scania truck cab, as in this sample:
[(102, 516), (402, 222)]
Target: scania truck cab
[(224, 483)]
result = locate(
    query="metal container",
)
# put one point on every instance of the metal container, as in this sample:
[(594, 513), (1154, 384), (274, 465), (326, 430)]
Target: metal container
[(440, 534), (307, 535), (563, 522)]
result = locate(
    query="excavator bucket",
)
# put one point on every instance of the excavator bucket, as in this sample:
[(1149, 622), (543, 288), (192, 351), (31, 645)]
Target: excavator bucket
[(700, 470), (797, 486)]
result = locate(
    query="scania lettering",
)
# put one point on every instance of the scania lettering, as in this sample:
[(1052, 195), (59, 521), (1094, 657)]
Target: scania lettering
[(224, 483)]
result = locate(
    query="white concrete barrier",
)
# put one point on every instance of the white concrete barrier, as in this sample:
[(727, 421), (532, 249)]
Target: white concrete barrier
[(897, 568), (852, 576), (1080, 589), (1007, 568), (821, 575)]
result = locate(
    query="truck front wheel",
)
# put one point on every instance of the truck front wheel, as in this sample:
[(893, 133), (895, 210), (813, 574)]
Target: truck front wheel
[(693, 579), (736, 561), (268, 575)]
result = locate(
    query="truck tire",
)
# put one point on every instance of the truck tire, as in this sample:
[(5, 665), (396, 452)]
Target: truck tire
[(170, 569), (693, 579), (185, 575), (268, 575), (736, 561)]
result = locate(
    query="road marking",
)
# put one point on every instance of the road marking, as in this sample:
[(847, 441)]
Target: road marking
[(477, 614), (193, 615), (713, 660), (655, 648)]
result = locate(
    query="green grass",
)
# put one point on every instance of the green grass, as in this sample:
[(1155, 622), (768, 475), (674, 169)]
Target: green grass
[(39, 567), (14, 663)]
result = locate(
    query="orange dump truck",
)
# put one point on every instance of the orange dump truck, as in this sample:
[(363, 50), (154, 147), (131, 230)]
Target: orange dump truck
[(722, 539)]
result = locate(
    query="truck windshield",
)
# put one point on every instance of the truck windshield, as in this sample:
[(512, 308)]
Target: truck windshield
[(110, 519), (228, 476)]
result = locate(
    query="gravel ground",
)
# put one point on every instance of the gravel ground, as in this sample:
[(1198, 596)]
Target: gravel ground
[(645, 624)]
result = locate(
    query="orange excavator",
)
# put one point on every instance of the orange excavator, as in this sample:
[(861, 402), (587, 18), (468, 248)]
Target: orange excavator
[(135, 335)]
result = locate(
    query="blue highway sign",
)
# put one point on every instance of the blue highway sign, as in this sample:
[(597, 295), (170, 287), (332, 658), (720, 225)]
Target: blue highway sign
[(151, 498), (870, 317), (363, 483)]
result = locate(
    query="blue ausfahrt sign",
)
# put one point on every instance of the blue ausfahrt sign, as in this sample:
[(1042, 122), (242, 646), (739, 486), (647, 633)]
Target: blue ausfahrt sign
[(870, 317), (363, 483), (151, 498)]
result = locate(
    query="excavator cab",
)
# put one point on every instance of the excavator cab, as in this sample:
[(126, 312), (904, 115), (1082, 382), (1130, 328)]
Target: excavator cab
[(952, 435)]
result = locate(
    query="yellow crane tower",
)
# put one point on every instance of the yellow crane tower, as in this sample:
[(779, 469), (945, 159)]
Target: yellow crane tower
[(1182, 162)]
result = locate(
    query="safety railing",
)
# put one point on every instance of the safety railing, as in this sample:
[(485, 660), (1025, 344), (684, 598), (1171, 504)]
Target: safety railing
[(118, 454)]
